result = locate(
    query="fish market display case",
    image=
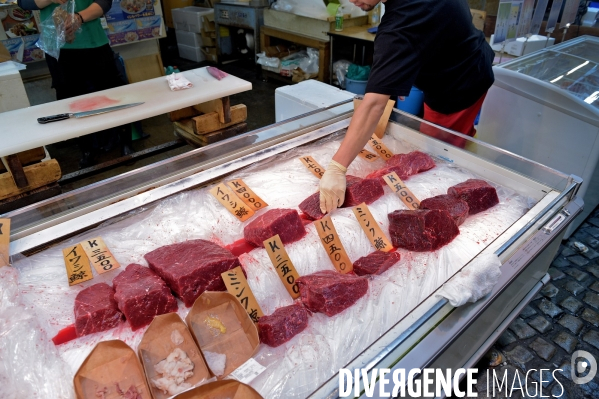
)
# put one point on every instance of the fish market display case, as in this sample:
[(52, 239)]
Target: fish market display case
[(399, 323)]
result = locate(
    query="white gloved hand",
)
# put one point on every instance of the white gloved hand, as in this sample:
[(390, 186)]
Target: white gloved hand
[(332, 187)]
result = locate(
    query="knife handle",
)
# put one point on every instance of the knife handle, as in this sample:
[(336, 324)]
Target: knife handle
[(53, 118)]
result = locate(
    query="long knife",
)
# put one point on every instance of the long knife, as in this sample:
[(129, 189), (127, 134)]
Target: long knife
[(61, 117)]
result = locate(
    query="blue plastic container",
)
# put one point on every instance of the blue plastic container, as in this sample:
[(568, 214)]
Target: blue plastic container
[(355, 86), (413, 103)]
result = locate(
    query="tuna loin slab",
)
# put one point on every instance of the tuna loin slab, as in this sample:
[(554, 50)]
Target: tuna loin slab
[(479, 194), (284, 222), (457, 208), (141, 295), (331, 292), (284, 324), (192, 267), (375, 263), (421, 230), (96, 310), (405, 165)]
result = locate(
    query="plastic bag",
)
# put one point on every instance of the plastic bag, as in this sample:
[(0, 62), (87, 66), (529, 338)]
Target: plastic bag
[(53, 29), (306, 8), (262, 59), (357, 72), (309, 63), (340, 69)]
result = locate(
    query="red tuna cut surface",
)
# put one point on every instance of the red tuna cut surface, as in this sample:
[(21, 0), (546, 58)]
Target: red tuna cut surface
[(96, 310), (358, 190), (458, 208), (405, 165), (284, 324), (192, 267), (284, 222), (421, 230), (479, 194), (330, 292), (141, 295), (375, 263)]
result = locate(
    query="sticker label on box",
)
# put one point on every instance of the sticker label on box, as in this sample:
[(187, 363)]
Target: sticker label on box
[(247, 371)]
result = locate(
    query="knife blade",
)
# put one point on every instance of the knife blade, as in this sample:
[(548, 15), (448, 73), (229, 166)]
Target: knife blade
[(61, 117)]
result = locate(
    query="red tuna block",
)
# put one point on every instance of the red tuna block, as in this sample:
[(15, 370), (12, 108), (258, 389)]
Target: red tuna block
[(96, 310), (192, 267), (330, 292), (358, 190), (405, 165), (457, 208), (421, 230), (284, 324), (375, 263), (478, 194), (284, 222), (141, 295)]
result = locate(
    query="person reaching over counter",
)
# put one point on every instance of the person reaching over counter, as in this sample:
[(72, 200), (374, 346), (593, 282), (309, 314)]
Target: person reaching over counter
[(86, 63), (430, 44)]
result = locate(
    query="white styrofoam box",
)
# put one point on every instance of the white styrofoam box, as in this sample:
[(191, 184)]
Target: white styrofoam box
[(590, 18), (190, 18), (519, 48), (306, 96), (191, 53), (186, 38)]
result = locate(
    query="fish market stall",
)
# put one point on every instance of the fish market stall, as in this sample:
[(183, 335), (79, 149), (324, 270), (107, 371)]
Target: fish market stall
[(398, 317)]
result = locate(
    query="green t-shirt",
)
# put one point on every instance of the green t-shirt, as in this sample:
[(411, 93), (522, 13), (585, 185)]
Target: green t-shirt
[(91, 36)]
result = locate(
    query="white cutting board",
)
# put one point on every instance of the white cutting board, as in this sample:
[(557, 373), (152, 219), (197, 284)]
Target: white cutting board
[(20, 131)]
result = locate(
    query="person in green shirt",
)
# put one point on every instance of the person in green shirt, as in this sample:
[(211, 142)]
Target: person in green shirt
[(86, 64)]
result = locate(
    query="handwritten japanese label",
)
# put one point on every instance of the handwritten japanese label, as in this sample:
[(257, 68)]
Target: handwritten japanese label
[(368, 156), (331, 243), (99, 255), (401, 190), (229, 200), (313, 166), (380, 148), (247, 195), (280, 260), (238, 286), (4, 242), (372, 229), (77, 264)]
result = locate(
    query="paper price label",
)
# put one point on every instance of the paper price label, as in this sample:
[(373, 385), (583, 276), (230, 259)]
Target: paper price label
[(4, 242), (401, 190), (238, 286), (247, 371), (331, 243), (229, 200), (372, 229), (247, 195), (285, 269), (368, 156), (380, 148), (77, 264), (313, 166), (99, 255)]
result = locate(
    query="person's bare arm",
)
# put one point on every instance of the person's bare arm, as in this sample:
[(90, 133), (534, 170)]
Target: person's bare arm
[(361, 127)]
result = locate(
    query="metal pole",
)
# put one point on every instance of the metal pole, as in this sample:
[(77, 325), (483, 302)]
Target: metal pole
[(565, 31), (501, 54)]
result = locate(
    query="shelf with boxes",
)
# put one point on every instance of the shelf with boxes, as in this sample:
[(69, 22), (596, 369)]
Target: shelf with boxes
[(196, 33)]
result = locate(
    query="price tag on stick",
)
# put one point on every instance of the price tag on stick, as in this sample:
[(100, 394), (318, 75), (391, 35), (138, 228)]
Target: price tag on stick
[(230, 201), (77, 264), (313, 166), (331, 243), (238, 286), (368, 156), (285, 268), (371, 228), (4, 242), (401, 190), (380, 148), (99, 255), (247, 195)]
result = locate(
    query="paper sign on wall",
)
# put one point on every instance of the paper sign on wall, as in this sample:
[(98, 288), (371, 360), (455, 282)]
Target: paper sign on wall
[(380, 148), (371, 228), (332, 244), (399, 188), (238, 286), (230, 201), (283, 265), (99, 255), (368, 156), (313, 166), (4, 242), (250, 198), (77, 264)]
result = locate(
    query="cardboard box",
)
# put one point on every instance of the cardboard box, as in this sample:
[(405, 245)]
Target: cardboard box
[(190, 19), (208, 23), (230, 389), (210, 53), (4, 53)]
